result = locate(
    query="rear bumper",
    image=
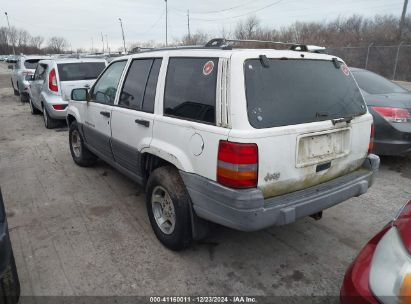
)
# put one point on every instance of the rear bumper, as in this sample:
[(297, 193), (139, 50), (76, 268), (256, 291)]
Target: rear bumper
[(392, 147), (56, 114), (247, 210)]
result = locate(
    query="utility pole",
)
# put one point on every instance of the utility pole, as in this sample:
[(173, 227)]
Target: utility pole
[(122, 31), (108, 49), (188, 25), (102, 40), (166, 22), (12, 38), (402, 21)]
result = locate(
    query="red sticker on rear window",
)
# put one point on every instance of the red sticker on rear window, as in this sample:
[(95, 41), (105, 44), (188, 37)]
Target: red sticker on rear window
[(345, 70), (208, 68)]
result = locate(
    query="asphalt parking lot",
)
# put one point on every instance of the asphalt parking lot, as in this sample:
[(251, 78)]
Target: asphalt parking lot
[(85, 231)]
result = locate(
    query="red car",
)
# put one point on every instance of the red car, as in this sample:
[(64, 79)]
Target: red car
[(381, 273)]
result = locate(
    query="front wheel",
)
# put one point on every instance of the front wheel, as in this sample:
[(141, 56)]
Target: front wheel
[(79, 152), (168, 207), (10, 284), (16, 92)]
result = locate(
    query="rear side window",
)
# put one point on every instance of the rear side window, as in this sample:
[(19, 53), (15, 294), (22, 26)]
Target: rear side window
[(291, 92), (140, 85), (31, 64), (190, 91), (376, 84), (80, 70)]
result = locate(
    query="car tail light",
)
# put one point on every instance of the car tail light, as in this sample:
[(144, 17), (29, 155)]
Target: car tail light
[(371, 143), (59, 106), (393, 114), (53, 81), (237, 165)]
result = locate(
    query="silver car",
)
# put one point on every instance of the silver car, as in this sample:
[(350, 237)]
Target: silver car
[(53, 81), (25, 66)]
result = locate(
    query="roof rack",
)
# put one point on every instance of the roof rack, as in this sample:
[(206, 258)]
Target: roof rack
[(227, 43)]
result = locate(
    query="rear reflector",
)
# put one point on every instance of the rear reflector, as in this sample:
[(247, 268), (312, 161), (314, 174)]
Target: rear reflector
[(237, 165), (53, 81), (393, 114), (59, 107), (371, 143)]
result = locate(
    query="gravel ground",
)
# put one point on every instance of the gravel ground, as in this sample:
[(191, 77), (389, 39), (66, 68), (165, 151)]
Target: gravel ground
[(85, 231)]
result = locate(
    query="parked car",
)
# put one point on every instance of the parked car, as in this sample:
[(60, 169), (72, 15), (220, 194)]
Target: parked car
[(236, 137), (9, 280), (381, 273), (390, 105), (25, 66), (52, 82)]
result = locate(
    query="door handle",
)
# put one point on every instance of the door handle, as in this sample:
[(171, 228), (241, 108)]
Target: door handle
[(87, 86), (104, 113), (143, 122)]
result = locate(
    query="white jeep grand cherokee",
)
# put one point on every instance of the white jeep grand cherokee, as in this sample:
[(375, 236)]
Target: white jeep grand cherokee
[(246, 138)]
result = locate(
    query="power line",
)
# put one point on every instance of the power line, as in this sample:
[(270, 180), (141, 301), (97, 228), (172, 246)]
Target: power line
[(219, 11), (242, 15)]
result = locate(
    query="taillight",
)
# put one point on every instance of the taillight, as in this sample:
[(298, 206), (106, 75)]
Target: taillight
[(371, 143), (393, 114), (237, 165), (53, 81), (59, 106)]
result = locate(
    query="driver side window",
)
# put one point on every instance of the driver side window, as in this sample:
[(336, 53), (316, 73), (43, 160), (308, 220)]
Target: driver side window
[(106, 87)]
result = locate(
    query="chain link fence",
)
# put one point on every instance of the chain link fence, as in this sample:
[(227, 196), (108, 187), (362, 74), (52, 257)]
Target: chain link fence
[(390, 61)]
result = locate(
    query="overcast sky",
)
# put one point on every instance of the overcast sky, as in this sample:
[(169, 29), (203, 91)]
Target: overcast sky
[(80, 21)]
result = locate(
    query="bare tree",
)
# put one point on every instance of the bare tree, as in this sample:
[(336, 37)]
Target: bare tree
[(57, 45), (37, 41)]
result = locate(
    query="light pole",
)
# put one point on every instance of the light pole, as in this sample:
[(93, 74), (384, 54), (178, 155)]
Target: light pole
[(108, 49), (166, 23), (122, 31), (12, 38)]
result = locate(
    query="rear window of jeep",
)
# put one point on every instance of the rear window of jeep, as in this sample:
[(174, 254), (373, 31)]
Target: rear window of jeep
[(290, 92)]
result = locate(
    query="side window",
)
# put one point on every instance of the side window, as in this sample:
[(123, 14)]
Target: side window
[(40, 73), (190, 91), (139, 88), (150, 96), (104, 91)]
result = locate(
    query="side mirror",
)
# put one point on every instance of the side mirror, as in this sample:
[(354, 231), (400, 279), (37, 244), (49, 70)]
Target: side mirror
[(11, 66), (79, 94), (29, 78)]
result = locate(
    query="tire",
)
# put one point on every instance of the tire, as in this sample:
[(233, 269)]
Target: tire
[(33, 109), (10, 284), (166, 195), (79, 152), (24, 97), (49, 122), (16, 92)]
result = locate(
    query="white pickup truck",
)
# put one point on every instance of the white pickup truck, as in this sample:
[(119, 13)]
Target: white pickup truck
[(246, 138)]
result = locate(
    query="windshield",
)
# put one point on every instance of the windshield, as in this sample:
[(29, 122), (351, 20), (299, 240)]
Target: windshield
[(80, 70), (293, 91), (375, 84)]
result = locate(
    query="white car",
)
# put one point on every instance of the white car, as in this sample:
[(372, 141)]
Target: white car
[(52, 82), (246, 138), (25, 66)]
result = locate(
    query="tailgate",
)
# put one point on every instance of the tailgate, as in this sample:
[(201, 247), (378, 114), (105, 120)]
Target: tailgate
[(68, 86), (309, 154)]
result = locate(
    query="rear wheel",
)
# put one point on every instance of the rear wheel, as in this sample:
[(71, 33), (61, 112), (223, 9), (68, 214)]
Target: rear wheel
[(49, 122), (33, 109), (79, 152), (168, 207), (9, 284), (16, 92), (24, 97)]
